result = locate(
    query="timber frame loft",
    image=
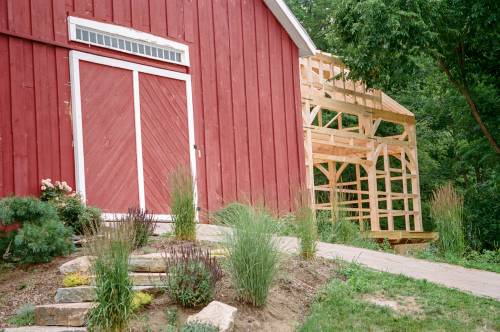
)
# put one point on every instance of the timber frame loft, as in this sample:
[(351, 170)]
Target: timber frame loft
[(352, 168)]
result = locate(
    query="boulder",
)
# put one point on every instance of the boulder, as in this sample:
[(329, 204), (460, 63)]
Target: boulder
[(217, 314), (62, 314), (80, 264)]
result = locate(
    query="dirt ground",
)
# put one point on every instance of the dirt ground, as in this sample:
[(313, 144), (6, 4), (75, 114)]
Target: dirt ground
[(287, 306)]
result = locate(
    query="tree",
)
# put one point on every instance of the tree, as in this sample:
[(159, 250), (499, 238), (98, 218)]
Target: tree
[(381, 41)]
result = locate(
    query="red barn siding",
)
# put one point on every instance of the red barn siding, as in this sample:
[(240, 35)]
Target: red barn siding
[(246, 94)]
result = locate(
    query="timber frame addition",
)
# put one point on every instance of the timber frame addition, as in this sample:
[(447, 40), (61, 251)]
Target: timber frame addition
[(360, 146)]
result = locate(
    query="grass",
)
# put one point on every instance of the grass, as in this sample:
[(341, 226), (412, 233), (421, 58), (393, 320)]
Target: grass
[(307, 232), (183, 205), (253, 254), (343, 305), (447, 211), (25, 316), (488, 260), (111, 248)]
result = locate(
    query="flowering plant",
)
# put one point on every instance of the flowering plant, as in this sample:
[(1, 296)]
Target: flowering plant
[(55, 191)]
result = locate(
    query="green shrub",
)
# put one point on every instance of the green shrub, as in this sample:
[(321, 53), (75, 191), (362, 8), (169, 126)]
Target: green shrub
[(199, 327), (191, 276), (25, 316), (143, 224), (446, 211), (75, 279), (307, 232), (25, 209), (111, 248), (253, 254), (74, 214), (183, 205), (40, 243)]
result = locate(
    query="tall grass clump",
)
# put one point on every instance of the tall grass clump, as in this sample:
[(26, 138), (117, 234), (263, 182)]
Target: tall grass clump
[(111, 248), (253, 254), (183, 205), (447, 211), (306, 227)]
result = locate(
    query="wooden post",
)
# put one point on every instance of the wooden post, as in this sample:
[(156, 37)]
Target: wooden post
[(415, 182), (388, 190)]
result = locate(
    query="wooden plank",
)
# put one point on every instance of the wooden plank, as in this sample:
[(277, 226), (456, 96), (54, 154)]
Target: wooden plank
[(122, 12), (19, 19), (6, 149), (103, 10), (279, 117), (140, 15), (298, 104), (209, 91), (243, 192), (84, 7), (224, 101), (189, 21), (266, 115), (252, 103), (158, 15), (41, 18)]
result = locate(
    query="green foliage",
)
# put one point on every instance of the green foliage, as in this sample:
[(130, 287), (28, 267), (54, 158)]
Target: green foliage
[(191, 276), (183, 205), (25, 316), (253, 254), (76, 215), (25, 209), (111, 248), (40, 243), (342, 305), (143, 224), (447, 212), (307, 232), (141, 299), (75, 279), (488, 260), (198, 327)]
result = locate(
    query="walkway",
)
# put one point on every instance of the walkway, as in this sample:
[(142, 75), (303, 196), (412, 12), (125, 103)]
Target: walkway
[(481, 283)]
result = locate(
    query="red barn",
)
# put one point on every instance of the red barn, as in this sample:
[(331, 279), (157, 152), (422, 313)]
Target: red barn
[(112, 95)]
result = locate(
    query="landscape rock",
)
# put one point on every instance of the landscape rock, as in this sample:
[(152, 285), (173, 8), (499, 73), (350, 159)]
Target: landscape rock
[(147, 263), (62, 314), (217, 314), (87, 293), (80, 264), (142, 279)]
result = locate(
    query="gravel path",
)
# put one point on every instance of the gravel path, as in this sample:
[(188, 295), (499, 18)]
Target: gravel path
[(477, 282)]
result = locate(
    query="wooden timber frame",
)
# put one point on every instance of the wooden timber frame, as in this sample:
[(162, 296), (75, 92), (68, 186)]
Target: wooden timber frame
[(351, 166)]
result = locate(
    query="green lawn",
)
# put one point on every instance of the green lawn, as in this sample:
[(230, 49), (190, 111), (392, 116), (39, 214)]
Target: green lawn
[(346, 304)]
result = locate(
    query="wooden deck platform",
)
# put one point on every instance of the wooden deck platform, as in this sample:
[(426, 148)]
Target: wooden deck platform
[(395, 237)]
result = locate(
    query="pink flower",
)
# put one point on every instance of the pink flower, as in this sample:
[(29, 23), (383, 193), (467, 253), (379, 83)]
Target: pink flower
[(43, 187)]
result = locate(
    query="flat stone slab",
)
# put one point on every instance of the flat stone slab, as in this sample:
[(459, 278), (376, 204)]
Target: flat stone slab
[(218, 314), (147, 263), (87, 293), (45, 329), (142, 279), (62, 314)]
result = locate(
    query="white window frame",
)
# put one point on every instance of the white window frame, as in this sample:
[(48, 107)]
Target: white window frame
[(128, 33), (74, 60)]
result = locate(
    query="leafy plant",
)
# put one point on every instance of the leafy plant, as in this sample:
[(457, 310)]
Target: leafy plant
[(253, 254), (76, 215), (75, 279), (183, 205), (141, 299), (447, 211), (199, 327), (114, 295), (25, 209), (191, 276), (143, 224), (25, 315)]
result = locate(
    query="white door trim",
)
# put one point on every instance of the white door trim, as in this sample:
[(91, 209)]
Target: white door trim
[(74, 62)]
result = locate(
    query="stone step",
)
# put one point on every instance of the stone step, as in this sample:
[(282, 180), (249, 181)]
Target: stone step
[(62, 314), (142, 279), (45, 329), (87, 293), (154, 262)]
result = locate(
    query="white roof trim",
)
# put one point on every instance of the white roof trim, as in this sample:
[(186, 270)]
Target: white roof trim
[(292, 26)]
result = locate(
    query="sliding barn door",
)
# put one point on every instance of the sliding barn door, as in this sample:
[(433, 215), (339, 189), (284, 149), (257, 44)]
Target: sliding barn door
[(107, 104), (131, 133)]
